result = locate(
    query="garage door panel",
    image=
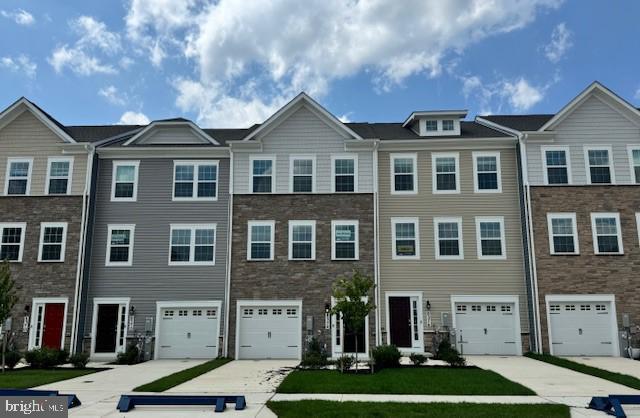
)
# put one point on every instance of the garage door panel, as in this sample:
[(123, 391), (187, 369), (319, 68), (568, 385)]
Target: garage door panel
[(269, 332), (486, 328), (188, 332)]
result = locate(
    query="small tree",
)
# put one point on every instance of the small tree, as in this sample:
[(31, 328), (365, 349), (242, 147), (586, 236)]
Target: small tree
[(8, 299), (353, 302)]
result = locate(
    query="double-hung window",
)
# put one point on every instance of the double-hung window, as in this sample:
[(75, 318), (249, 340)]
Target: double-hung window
[(563, 233), (598, 163), (490, 238), (607, 236), (345, 173), (302, 174), (556, 164), (192, 244), (195, 180), (431, 125), (124, 183), (344, 240), (634, 162), (260, 240), (447, 125), (406, 241), (404, 174), (18, 180), (302, 240), (59, 172), (448, 235), (446, 175), (120, 245), (12, 241), (486, 172), (262, 174), (53, 239)]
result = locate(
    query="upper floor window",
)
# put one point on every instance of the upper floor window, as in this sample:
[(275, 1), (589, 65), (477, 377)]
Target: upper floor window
[(607, 236), (563, 233), (124, 184), (53, 239), (120, 245), (302, 174), (406, 242), (262, 174), (448, 234), (446, 175), (490, 238), (59, 172), (404, 173), (598, 162), (344, 240), (12, 241), (345, 176), (302, 240), (556, 165), (260, 243), (634, 161), (18, 180), (447, 125), (192, 244), (487, 176), (195, 180), (431, 125)]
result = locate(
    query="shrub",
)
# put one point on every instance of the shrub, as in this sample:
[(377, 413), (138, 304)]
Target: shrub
[(130, 356), (448, 353), (11, 358), (417, 359), (45, 358), (386, 356), (344, 362), (79, 360), (315, 356)]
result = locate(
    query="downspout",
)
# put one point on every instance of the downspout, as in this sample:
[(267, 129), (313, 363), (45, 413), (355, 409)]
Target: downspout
[(376, 252), (227, 287)]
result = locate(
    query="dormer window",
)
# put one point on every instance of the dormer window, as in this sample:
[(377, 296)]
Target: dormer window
[(431, 125), (447, 125), (436, 123)]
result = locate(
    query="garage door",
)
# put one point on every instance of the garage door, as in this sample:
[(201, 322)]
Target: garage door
[(582, 328), (486, 328), (188, 332), (269, 332)]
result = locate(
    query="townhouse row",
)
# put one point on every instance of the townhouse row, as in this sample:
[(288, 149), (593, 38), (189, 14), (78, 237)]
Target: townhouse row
[(513, 232)]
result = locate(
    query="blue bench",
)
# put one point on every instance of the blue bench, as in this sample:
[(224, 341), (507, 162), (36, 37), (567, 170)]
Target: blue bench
[(128, 402), (612, 404), (72, 400)]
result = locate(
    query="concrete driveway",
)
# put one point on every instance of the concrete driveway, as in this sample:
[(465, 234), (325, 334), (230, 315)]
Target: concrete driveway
[(612, 364)]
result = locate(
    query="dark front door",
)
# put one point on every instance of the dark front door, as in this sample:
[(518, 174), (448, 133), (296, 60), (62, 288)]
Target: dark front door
[(400, 321), (53, 324), (350, 338), (107, 328)]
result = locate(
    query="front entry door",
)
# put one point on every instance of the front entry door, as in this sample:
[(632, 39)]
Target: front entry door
[(52, 328), (400, 321), (350, 338), (107, 328)]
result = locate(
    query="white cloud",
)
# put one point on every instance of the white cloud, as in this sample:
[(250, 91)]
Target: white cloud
[(518, 94), (94, 34), (20, 16), (561, 42), (77, 61), (113, 96), (521, 95), (133, 118), (21, 64)]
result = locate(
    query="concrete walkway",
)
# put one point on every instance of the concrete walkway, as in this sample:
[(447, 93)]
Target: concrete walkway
[(612, 364)]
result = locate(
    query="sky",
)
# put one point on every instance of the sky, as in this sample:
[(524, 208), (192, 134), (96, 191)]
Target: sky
[(232, 63)]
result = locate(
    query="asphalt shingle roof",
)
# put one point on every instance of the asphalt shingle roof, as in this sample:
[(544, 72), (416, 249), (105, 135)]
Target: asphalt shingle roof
[(390, 131), (520, 122)]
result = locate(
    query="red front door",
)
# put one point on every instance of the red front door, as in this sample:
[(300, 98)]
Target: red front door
[(53, 323)]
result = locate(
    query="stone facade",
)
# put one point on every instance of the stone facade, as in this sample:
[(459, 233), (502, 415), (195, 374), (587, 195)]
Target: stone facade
[(34, 279), (310, 281), (588, 273)]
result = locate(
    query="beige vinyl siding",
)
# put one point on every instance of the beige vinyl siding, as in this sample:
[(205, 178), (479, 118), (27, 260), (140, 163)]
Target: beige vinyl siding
[(26, 136), (439, 279)]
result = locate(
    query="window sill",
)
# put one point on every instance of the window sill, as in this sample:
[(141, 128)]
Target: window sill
[(260, 260), (345, 259), (608, 254), (194, 199), (174, 264), (446, 191), (561, 254), (51, 261)]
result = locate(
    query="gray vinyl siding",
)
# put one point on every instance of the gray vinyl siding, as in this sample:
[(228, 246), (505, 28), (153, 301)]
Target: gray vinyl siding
[(150, 278), (303, 133), (594, 122), (171, 135), (438, 280)]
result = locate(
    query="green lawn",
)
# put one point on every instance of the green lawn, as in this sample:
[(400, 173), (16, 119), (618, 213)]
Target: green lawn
[(26, 377), (413, 381), (175, 379), (623, 379), (326, 409)]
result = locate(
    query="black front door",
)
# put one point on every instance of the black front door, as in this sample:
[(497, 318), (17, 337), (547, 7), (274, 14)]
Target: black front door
[(350, 338), (107, 328), (400, 321)]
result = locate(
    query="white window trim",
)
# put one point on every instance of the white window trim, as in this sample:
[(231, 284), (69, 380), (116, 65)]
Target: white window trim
[(250, 224), (63, 248), (22, 225), (338, 350), (110, 228), (295, 157), (42, 302), (594, 234), (563, 215), (194, 194), (476, 186), (69, 177), (253, 158), (313, 239), (416, 222), (121, 332), (412, 156), (567, 155), (638, 225), (116, 164), (356, 225), (438, 220), (587, 167), (335, 157), (6, 179), (503, 245), (632, 175), (434, 156), (192, 244)]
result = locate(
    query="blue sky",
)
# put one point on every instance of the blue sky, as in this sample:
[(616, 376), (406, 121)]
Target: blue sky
[(232, 63)]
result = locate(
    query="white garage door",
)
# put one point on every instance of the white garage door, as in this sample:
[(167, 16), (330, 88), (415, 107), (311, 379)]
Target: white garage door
[(269, 332), (188, 332), (486, 328), (582, 328)]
